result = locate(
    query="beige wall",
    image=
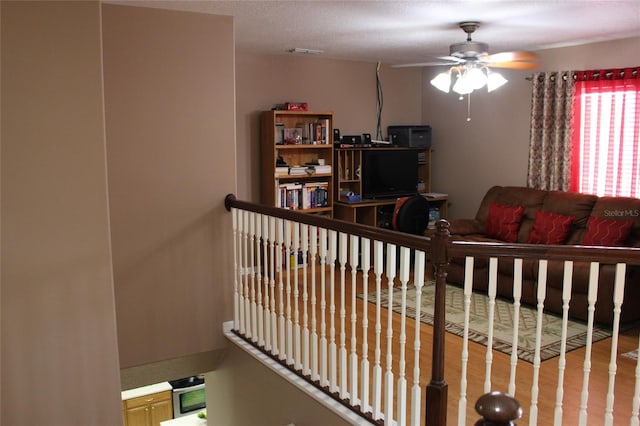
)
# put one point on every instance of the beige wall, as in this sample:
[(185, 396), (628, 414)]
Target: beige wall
[(245, 392), (169, 97), (59, 346), (347, 88), (493, 148)]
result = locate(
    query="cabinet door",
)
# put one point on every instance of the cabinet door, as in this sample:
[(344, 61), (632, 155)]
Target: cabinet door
[(138, 416), (161, 411)]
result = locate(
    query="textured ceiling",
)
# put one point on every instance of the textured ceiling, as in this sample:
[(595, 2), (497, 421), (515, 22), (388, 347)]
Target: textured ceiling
[(395, 32)]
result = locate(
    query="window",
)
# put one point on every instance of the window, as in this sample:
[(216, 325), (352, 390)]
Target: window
[(606, 138)]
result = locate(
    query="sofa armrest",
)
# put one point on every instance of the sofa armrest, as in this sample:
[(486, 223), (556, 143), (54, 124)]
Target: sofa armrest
[(465, 227)]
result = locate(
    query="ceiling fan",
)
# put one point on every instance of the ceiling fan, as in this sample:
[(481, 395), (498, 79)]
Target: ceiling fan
[(470, 62), (477, 52)]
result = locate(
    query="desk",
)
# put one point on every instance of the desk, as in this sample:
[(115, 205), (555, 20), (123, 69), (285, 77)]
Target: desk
[(379, 212)]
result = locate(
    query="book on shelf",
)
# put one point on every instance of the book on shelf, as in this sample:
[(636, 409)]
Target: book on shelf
[(282, 170), (318, 168), (296, 196), (298, 170)]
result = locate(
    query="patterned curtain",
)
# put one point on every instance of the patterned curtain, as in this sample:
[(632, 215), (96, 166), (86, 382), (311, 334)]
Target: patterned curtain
[(551, 131)]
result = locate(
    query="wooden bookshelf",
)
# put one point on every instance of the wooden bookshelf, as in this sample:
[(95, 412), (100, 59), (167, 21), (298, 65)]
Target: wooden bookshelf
[(299, 138)]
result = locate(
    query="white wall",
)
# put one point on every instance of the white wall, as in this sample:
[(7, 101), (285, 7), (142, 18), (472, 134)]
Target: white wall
[(492, 149)]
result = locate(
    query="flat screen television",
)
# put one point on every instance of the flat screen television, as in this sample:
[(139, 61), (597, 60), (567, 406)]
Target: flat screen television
[(389, 173)]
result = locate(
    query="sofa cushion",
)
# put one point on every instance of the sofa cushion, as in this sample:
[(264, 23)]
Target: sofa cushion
[(503, 222), (606, 232), (550, 228), (531, 199), (623, 208), (571, 204)]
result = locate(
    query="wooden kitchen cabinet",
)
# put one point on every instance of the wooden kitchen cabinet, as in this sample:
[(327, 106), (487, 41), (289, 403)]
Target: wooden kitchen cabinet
[(148, 410)]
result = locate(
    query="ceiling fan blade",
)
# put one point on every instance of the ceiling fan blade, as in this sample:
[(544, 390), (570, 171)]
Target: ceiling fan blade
[(422, 64), (509, 57), (513, 65)]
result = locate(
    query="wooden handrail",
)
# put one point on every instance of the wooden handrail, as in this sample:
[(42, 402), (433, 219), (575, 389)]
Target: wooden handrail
[(380, 234)]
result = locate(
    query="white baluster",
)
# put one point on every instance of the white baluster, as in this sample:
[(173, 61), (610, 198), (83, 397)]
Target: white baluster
[(491, 293), (248, 268), (592, 296), (289, 322), (324, 374), (377, 368), (236, 295), (244, 302), (333, 369), (388, 377), (618, 296), (468, 287), (416, 391), (304, 229), (517, 295), (405, 257), (542, 291), (297, 356), (282, 262), (314, 321), (251, 264), (265, 282), (364, 364), (342, 353), (353, 358), (259, 314), (562, 362), (276, 253)]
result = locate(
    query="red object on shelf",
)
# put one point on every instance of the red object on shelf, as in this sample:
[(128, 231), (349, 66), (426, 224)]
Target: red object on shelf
[(293, 106)]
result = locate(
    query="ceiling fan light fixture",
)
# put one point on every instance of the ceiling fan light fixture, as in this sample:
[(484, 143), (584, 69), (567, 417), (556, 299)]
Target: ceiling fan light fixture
[(494, 81), (463, 84), (477, 79), (442, 81)]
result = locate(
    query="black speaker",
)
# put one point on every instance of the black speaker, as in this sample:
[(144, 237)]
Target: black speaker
[(336, 135), (366, 138)]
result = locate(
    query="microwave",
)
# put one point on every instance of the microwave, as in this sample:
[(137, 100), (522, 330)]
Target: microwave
[(188, 396)]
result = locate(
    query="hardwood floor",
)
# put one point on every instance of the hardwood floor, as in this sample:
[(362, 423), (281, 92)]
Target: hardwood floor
[(599, 378)]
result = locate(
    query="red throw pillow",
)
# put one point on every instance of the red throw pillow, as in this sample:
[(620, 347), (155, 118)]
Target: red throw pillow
[(550, 228), (606, 232), (503, 222)]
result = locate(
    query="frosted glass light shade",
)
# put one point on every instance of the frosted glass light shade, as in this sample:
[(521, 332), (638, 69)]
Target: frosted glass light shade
[(477, 79), (495, 80), (463, 85), (442, 81)]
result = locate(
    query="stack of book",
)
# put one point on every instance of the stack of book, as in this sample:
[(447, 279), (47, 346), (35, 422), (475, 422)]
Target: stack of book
[(317, 168), (298, 170), (296, 196)]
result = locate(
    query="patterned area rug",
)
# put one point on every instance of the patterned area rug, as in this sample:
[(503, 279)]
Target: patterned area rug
[(503, 322)]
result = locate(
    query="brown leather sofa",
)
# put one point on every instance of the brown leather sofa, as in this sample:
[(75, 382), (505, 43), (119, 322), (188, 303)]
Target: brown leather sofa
[(578, 206)]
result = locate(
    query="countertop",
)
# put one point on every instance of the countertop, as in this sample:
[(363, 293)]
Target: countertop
[(190, 420), (146, 390)]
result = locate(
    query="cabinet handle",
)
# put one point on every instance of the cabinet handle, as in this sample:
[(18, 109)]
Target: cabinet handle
[(149, 400)]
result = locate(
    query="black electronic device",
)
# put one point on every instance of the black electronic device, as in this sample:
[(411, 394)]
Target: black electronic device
[(352, 139), (410, 136), (336, 136), (389, 173), (366, 138)]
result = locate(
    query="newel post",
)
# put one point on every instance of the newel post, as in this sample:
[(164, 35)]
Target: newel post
[(498, 409), (436, 404)]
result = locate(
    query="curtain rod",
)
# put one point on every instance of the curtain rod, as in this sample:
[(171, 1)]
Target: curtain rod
[(610, 74)]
